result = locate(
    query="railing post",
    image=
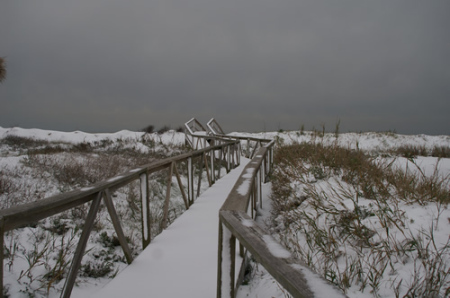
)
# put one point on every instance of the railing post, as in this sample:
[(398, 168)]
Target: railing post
[(213, 170), (166, 202), (145, 211), (259, 188), (228, 158), (2, 240), (226, 263), (200, 173), (248, 148), (239, 152), (191, 192)]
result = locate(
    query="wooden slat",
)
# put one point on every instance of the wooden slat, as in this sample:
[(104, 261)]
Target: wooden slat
[(166, 202), (81, 247), (117, 227), (207, 170), (252, 237), (200, 173), (146, 228), (183, 193), (2, 240)]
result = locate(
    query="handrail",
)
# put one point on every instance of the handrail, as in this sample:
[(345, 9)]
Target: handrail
[(227, 151), (235, 222)]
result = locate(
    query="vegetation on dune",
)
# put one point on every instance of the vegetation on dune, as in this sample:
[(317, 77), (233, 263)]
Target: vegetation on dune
[(341, 211), (37, 257)]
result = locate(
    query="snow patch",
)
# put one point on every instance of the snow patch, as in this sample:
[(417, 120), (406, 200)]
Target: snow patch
[(114, 179), (275, 248), (317, 285), (248, 223), (244, 187)]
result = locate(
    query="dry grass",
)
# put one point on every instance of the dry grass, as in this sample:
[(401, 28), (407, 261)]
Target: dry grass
[(340, 211), (38, 255)]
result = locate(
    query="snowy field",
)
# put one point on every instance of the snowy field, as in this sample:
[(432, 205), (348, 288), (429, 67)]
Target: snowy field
[(32, 165)]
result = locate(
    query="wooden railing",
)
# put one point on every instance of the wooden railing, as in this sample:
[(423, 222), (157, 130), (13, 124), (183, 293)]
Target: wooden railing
[(225, 152), (236, 222)]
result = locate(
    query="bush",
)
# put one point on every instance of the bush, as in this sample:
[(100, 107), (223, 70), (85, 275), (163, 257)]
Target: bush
[(149, 129)]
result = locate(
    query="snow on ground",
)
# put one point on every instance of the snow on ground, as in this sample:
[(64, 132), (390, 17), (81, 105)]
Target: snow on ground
[(83, 137), (262, 285), (181, 261)]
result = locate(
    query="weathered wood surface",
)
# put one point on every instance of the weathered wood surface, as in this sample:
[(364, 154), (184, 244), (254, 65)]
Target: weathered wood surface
[(252, 237), (233, 218), (107, 199), (81, 247)]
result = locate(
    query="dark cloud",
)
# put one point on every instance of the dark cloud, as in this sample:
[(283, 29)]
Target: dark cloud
[(105, 65)]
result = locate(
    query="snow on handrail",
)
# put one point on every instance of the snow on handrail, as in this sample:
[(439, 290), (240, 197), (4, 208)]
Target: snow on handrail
[(236, 222)]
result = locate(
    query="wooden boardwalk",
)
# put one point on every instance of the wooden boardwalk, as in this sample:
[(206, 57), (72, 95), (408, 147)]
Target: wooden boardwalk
[(182, 260)]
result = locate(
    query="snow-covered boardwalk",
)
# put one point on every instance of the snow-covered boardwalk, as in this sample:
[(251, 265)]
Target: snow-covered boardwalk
[(182, 260)]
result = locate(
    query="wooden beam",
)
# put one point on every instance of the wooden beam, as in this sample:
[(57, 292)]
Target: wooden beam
[(183, 193), (286, 270), (200, 173), (117, 227), (166, 202), (207, 169), (81, 247)]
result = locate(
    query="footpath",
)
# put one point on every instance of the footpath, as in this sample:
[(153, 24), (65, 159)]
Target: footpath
[(182, 260)]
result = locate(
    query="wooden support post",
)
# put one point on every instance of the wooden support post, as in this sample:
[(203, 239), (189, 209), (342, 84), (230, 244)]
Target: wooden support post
[(166, 202), (248, 148), (228, 158), (185, 198), (219, 161), (213, 171), (190, 171), (264, 168), (76, 261), (238, 153), (200, 174), (207, 169), (145, 210), (226, 263), (117, 227), (2, 240), (259, 181), (255, 194)]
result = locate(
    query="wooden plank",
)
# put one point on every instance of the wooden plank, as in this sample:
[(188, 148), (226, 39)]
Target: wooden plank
[(183, 193), (81, 247), (213, 170), (2, 240), (117, 227), (226, 263), (200, 173), (283, 268), (207, 170), (191, 192), (228, 159), (239, 200), (166, 202), (146, 228)]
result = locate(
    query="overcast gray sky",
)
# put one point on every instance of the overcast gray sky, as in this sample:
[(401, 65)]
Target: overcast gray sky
[(254, 65)]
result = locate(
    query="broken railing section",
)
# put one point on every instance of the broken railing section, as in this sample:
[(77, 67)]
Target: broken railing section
[(196, 136), (215, 128), (195, 161), (236, 223), (251, 143)]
